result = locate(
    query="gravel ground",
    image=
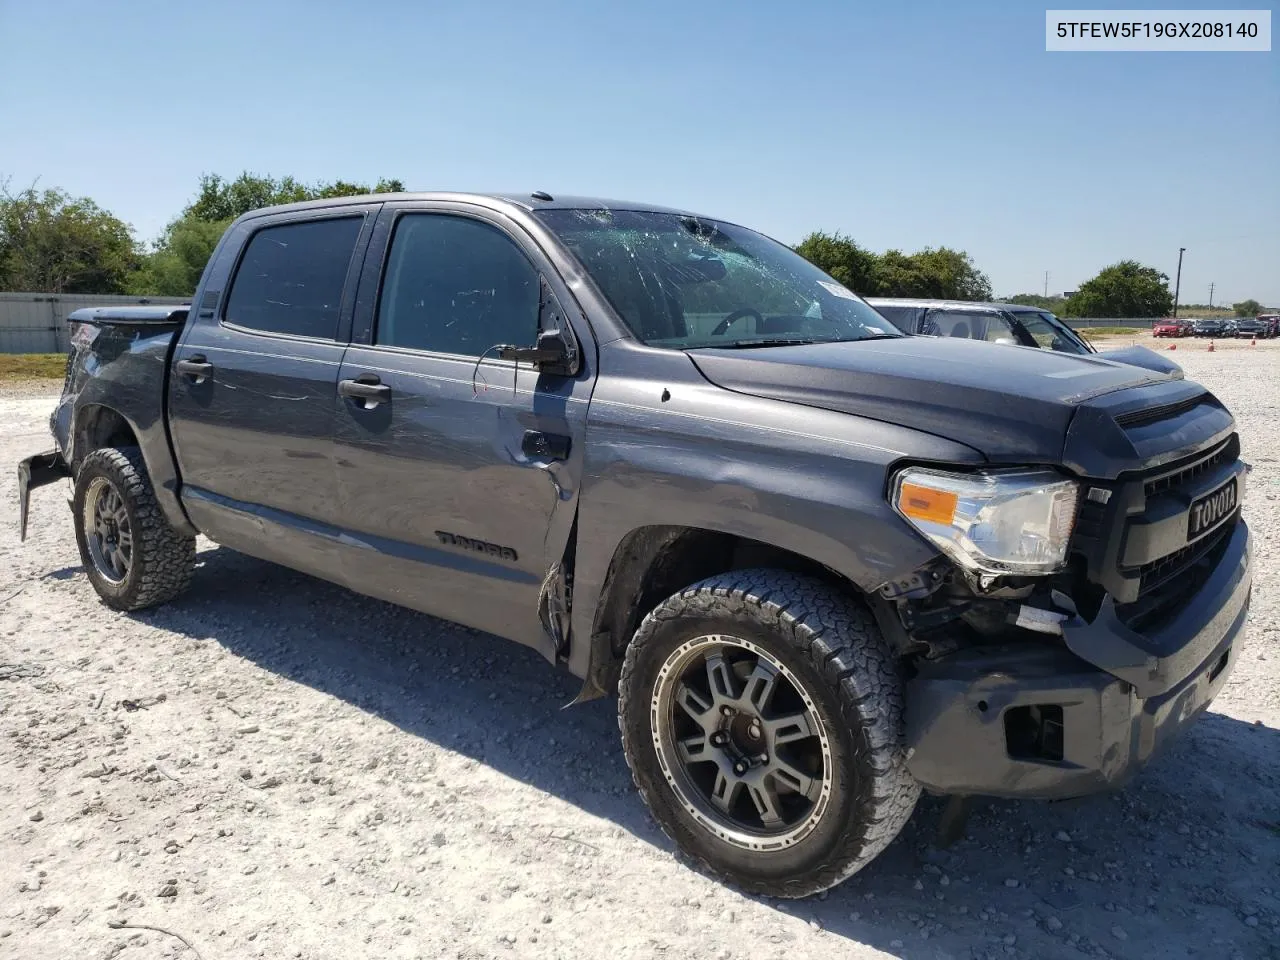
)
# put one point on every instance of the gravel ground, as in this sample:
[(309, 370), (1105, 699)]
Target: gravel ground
[(273, 767)]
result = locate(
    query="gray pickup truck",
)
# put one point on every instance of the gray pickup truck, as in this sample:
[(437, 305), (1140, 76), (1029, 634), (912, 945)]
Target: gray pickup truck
[(823, 564)]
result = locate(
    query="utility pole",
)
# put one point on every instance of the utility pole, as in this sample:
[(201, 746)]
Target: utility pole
[(1046, 283), (1211, 296), (1177, 284)]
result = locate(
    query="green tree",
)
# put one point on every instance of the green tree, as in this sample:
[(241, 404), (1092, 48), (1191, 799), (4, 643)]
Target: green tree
[(1124, 289), (898, 274), (1247, 308), (219, 200), (954, 274), (842, 258), (1051, 304), (174, 267), (178, 258), (942, 273), (51, 242)]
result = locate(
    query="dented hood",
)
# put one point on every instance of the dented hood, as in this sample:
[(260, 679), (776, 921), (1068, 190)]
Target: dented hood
[(1010, 403)]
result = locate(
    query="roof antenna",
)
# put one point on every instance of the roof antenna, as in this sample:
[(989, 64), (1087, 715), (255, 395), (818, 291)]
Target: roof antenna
[(541, 195)]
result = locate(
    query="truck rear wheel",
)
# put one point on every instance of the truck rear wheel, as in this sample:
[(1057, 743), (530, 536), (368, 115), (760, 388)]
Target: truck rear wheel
[(133, 557), (761, 715)]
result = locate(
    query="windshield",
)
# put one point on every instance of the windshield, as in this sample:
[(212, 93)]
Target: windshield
[(1051, 333), (682, 282)]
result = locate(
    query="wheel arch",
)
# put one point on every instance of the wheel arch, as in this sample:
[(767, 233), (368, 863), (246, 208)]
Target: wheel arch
[(96, 425), (653, 562)]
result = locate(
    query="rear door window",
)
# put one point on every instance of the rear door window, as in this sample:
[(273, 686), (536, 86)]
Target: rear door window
[(904, 318), (291, 277), (969, 325)]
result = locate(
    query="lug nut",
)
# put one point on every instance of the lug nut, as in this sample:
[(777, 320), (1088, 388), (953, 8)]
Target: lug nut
[(753, 732), (718, 739), (726, 711), (740, 767)]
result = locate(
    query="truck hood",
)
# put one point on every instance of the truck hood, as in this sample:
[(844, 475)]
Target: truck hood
[(1009, 403)]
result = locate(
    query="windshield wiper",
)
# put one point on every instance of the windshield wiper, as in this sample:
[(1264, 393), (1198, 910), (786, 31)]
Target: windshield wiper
[(775, 342)]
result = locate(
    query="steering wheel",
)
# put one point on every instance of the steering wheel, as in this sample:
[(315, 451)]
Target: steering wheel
[(724, 324)]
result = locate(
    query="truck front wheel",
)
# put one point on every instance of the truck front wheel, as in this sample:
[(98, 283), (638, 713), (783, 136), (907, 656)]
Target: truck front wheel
[(133, 557), (761, 715)]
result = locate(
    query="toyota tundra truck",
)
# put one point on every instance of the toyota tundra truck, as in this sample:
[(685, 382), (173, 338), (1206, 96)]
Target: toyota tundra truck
[(822, 564)]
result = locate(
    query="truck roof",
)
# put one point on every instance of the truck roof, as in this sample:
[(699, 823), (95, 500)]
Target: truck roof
[(538, 200)]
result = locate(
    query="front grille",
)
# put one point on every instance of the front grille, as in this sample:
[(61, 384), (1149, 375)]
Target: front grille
[(1159, 572), (1185, 473), (1184, 573), (1166, 584)]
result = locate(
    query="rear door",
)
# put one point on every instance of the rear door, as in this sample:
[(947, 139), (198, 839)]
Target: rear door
[(460, 475), (253, 390)]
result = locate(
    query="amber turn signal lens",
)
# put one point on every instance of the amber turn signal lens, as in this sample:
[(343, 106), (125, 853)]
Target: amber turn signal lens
[(925, 503)]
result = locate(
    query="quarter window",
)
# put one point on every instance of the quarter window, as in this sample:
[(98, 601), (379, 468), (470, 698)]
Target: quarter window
[(291, 277), (456, 285)]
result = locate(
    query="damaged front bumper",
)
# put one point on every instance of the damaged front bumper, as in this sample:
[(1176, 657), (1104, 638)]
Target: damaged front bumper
[(37, 471), (1062, 719)]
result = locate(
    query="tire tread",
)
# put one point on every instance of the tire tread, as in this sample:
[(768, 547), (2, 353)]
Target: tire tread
[(167, 557), (839, 638)]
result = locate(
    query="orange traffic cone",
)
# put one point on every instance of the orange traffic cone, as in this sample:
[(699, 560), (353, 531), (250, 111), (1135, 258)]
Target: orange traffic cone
[(1253, 341), (1173, 346), (1211, 346)]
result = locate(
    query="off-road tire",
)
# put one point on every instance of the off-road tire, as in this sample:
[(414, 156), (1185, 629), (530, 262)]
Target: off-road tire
[(162, 558), (831, 643)]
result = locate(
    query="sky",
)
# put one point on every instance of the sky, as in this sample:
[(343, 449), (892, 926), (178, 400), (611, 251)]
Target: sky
[(903, 125)]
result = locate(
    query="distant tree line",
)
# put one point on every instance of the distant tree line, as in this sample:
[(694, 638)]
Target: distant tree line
[(1124, 289), (51, 242), (941, 272)]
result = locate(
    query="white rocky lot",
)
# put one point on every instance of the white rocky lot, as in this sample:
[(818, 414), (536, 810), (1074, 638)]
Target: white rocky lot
[(273, 767)]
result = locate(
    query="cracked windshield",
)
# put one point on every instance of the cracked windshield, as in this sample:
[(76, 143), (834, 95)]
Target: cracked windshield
[(685, 282)]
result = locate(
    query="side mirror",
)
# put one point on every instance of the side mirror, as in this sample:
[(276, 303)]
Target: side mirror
[(553, 353), (556, 350)]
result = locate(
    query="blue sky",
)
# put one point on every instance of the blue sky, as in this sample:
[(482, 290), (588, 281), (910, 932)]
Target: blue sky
[(904, 125)]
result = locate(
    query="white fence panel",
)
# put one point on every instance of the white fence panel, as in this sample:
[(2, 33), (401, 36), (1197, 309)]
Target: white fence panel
[(37, 322)]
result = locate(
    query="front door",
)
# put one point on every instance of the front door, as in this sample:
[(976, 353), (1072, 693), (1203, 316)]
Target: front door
[(252, 392), (459, 471)]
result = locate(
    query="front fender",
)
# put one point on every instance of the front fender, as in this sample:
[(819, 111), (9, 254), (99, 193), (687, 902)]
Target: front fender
[(807, 480)]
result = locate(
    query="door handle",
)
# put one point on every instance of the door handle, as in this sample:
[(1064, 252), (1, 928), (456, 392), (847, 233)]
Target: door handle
[(366, 388), (196, 367)]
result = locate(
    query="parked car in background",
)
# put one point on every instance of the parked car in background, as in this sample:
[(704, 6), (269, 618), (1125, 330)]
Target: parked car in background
[(1253, 327), (1272, 322), (1008, 323), (1170, 327), (1208, 328)]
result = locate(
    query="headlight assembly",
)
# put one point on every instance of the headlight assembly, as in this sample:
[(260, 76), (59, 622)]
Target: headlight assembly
[(1003, 522)]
